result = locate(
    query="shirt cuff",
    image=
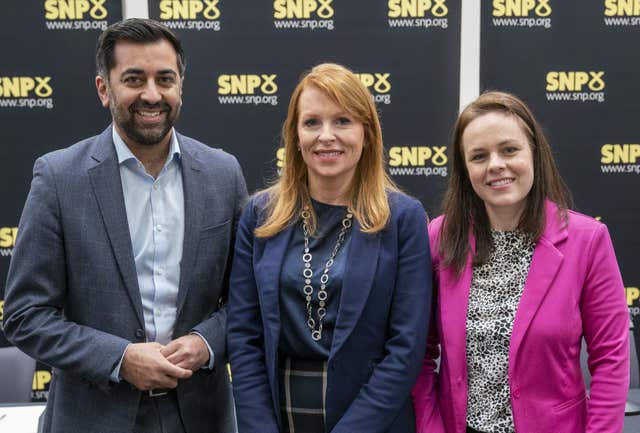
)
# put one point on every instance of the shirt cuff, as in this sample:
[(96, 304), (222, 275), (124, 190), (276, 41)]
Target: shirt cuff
[(211, 363), (115, 373)]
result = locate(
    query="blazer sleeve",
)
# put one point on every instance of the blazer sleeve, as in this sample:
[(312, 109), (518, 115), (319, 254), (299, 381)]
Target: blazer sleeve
[(214, 328), (36, 292), (389, 386), (425, 391), (605, 323), (251, 389)]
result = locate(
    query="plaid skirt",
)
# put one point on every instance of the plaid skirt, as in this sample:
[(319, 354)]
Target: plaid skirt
[(303, 391)]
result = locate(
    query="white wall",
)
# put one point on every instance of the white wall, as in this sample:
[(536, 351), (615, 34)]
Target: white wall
[(135, 9), (469, 52)]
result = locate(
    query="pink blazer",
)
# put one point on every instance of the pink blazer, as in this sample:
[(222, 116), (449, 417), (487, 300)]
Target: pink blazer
[(573, 289)]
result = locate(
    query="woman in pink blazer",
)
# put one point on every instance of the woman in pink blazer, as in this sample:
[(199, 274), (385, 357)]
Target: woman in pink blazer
[(520, 281)]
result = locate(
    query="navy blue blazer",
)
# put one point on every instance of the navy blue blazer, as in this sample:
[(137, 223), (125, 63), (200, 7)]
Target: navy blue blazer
[(380, 333), (72, 297)]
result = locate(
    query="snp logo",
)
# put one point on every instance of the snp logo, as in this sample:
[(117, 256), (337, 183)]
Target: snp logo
[(413, 160), (621, 8), (302, 9), (575, 86), (620, 159), (75, 9), (417, 155), (575, 81), (416, 8), (620, 153), (379, 85), (521, 8), (23, 87), (247, 89), (247, 84), (379, 82), (189, 9)]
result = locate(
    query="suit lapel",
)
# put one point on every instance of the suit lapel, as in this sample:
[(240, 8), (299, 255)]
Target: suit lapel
[(105, 180), (545, 264), (193, 185), (269, 268), (360, 270), (454, 303)]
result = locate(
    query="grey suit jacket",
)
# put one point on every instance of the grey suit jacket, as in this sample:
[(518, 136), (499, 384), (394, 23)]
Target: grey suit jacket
[(72, 298)]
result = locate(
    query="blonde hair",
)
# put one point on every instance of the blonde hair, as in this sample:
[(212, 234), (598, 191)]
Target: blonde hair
[(368, 193)]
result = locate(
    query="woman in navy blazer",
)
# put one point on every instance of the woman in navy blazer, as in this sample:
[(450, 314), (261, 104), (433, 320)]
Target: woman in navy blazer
[(330, 284)]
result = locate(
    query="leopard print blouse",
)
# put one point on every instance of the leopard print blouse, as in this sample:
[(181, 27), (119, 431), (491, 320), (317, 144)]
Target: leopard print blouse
[(494, 296)]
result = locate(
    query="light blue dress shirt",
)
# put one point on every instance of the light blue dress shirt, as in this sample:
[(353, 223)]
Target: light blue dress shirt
[(155, 214)]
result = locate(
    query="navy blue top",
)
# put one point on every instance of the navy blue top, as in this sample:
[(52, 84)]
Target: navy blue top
[(295, 334)]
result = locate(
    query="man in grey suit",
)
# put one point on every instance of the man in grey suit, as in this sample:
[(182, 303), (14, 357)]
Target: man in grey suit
[(120, 269)]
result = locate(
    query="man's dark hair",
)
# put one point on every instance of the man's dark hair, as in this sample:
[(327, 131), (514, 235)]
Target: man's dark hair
[(135, 30)]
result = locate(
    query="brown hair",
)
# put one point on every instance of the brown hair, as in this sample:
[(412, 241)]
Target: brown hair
[(137, 30), (462, 207), (368, 194)]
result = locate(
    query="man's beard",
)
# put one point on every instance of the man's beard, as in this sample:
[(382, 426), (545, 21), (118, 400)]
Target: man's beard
[(141, 134)]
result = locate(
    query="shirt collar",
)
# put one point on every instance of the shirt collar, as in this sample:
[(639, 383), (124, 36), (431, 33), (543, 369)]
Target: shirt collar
[(125, 154)]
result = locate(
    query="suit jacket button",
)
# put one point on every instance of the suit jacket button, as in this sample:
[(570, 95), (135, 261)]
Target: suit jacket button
[(139, 334)]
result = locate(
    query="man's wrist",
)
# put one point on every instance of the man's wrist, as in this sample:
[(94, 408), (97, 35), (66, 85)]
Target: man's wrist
[(115, 375), (208, 365)]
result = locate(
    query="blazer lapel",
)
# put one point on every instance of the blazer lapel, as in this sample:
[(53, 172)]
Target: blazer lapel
[(545, 264), (453, 306), (360, 270), (107, 187), (268, 269), (193, 185)]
